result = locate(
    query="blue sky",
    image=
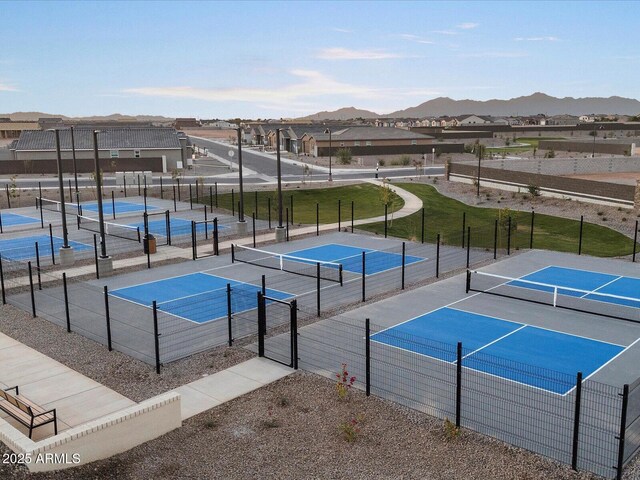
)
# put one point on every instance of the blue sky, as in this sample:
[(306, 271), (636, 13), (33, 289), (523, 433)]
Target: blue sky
[(283, 59)]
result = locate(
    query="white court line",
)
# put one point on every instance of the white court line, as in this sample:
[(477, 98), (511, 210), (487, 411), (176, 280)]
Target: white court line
[(494, 341)]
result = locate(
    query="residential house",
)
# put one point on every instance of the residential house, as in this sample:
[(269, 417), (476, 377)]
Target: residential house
[(182, 123), (9, 129)]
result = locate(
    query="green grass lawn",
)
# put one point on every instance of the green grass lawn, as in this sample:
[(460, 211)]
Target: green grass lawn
[(444, 215), (531, 141), (534, 141), (368, 201)]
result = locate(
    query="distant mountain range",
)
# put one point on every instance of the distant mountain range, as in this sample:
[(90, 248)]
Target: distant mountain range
[(528, 105), (34, 116)]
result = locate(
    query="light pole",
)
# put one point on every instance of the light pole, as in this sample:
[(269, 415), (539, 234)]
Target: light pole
[(66, 252), (105, 263), (280, 231), (593, 151), (75, 168), (242, 226), (328, 130)]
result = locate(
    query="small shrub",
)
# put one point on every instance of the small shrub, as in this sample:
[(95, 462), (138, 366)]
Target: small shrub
[(270, 421), (344, 383), (344, 156), (381, 162), (395, 162), (604, 219), (351, 428), (624, 219), (210, 424), (283, 402), (600, 213), (405, 160), (451, 432), (534, 190)]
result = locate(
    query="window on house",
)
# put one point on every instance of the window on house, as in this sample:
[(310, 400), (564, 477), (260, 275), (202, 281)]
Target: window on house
[(414, 142), (114, 154), (136, 154), (356, 144), (342, 144), (368, 143)]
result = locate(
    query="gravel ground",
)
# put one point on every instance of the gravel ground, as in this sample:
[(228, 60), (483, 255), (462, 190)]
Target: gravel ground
[(290, 429)]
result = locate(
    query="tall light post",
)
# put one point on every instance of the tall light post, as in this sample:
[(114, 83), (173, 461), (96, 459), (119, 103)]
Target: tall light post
[(280, 231), (105, 264), (328, 130), (242, 225), (75, 167), (593, 152), (66, 252)]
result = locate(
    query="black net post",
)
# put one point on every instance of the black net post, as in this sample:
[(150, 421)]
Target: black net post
[(6, 187), (495, 239), (468, 282), (339, 213), (197, 194), (39, 194), (287, 232), (364, 276), (66, 301), (113, 203), (464, 228), (367, 351), (386, 209), (95, 254), (41, 212), (145, 217), (190, 198), (580, 238), (269, 211), (206, 225), (38, 267), (294, 334), (33, 296), (233, 203), (468, 245), (167, 223), (533, 215), (107, 317), (318, 219), (175, 205), (262, 323), (139, 186), (422, 228), (194, 248), (623, 430), (351, 216), (53, 252), (509, 236), (229, 314), (70, 192), (161, 188), (156, 336), (233, 255), (264, 284), (318, 287), (437, 255), (216, 247), (253, 228), (404, 257), (576, 422), (215, 188), (124, 185), (458, 383), (635, 243), (4, 294)]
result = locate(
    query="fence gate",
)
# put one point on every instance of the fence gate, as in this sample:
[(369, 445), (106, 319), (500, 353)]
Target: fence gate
[(278, 330)]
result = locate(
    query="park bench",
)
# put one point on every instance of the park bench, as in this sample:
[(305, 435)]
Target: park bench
[(25, 411)]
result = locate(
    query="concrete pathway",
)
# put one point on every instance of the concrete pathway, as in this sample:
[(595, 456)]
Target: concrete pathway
[(220, 387), (76, 398)]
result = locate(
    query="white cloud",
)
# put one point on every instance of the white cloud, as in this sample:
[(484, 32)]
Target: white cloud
[(467, 25), (537, 39), (446, 32), (341, 30), (339, 53), (415, 38), (7, 88), (494, 55)]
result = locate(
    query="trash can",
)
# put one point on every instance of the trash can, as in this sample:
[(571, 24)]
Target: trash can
[(149, 244)]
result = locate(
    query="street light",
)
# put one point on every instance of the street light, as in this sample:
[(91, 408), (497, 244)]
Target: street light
[(241, 207), (66, 253), (280, 230), (593, 152), (329, 132), (75, 168)]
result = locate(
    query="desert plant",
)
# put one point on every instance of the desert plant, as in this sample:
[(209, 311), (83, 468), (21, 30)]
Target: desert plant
[(351, 428), (344, 156), (344, 383), (533, 190), (405, 160), (270, 421), (451, 431), (381, 162), (550, 154)]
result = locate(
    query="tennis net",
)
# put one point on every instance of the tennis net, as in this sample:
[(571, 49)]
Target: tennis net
[(127, 232), (56, 206), (587, 301), (307, 267)]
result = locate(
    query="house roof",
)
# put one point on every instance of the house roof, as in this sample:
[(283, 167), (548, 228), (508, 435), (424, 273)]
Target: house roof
[(371, 133), (108, 139), (19, 126)]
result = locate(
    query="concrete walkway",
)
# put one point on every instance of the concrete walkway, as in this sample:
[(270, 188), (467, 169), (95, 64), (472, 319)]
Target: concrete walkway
[(76, 398), (220, 387)]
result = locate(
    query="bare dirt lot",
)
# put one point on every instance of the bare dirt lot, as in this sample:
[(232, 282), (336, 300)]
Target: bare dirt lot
[(627, 178)]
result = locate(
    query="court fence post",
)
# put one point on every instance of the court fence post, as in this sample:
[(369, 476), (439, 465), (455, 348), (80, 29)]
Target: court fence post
[(124, 185), (318, 219), (464, 228), (635, 243), (422, 228), (339, 213), (66, 301), (468, 245), (437, 255), (107, 317), (623, 429), (53, 252), (4, 295), (287, 232), (139, 185), (145, 218), (229, 313), (580, 238), (367, 350), (262, 321), (6, 187), (233, 253), (458, 383), (175, 205), (38, 267), (264, 284), (233, 203), (197, 194), (190, 197), (533, 215), (318, 287), (161, 189), (194, 247), (211, 198), (216, 247), (156, 336), (179, 195), (39, 195), (495, 239), (95, 255), (468, 283), (294, 334), (386, 209), (206, 224), (113, 203), (576, 422), (167, 221), (253, 226), (41, 212), (404, 249), (33, 297), (269, 211), (364, 275), (352, 207), (509, 236)]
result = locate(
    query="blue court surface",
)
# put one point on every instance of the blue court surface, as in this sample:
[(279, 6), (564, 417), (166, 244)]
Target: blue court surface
[(24, 248), (11, 219), (376, 261), (523, 350), (197, 297), (121, 207), (179, 226), (602, 287)]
